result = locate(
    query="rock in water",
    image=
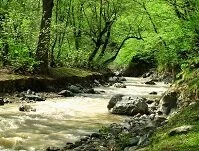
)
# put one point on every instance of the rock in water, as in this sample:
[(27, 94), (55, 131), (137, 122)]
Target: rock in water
[(151, 82), (153, 93), (66, 93), (130, 106), (2, 101), (26, 108), (114, 100)]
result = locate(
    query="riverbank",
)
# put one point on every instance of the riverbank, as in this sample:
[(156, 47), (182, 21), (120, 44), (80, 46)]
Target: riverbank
[(56, 78)]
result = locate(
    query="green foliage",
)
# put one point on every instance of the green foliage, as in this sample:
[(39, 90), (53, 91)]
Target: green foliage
[(169, 32), (161, 141), (188, 78)]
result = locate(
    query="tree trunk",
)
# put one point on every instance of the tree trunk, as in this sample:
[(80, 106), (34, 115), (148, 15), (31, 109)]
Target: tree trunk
[(44, 36)]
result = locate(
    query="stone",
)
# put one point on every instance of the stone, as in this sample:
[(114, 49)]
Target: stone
[(148, 74), (113, 79), (75, 89), (96, 135), (119, 85), (192, 103), (26, 108), (130, 106), (34, 97), (6, 101), (69, 145), (133, 148), (96, 82), (122, 79), (114, 100), (159, 120), (53, 149), (180, 130), (30, 92), (133, 141), (151, 82), (89, 91), (143, 140), (149, 101), (168, 103), (117, 79), (153, 93), (1, 101), (66, 93)]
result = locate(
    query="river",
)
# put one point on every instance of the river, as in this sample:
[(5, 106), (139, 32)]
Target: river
[(60, 120)]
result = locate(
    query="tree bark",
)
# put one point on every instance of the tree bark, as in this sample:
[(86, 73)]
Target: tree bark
[(44, 36)]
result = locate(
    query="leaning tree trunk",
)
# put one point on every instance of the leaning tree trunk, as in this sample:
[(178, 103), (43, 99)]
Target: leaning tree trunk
[(44, 36)]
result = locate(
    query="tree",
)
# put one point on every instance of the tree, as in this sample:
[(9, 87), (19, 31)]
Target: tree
[(44, 36)]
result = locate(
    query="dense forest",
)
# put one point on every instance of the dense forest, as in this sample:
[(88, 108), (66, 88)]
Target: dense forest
[(99, 34)]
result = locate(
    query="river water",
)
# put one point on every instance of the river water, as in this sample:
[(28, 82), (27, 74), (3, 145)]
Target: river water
[(60, 120)]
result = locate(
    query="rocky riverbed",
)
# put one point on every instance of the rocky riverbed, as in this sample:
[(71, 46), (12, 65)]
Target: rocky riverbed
[(68, 118)]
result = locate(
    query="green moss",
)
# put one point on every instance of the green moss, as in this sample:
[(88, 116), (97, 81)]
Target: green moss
[(5, 76), (184, 142), (70, 72)]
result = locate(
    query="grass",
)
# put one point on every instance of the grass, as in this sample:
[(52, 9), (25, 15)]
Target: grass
[(161, 141), (70, 72), (53, 73), (6, 76)]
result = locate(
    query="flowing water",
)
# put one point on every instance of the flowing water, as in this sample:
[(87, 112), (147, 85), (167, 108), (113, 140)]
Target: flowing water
[(57, 121)]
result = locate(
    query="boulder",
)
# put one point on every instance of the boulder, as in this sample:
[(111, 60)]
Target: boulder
[(66, 93), (119, 85), (168, 103), (130, 106), (114, 100), (2, 101), (180, 130)]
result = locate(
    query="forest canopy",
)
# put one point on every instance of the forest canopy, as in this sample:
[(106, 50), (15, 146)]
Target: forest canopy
[(37, 34)]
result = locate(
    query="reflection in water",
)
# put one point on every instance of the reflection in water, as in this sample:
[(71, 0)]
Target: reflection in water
[(57, 121)]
